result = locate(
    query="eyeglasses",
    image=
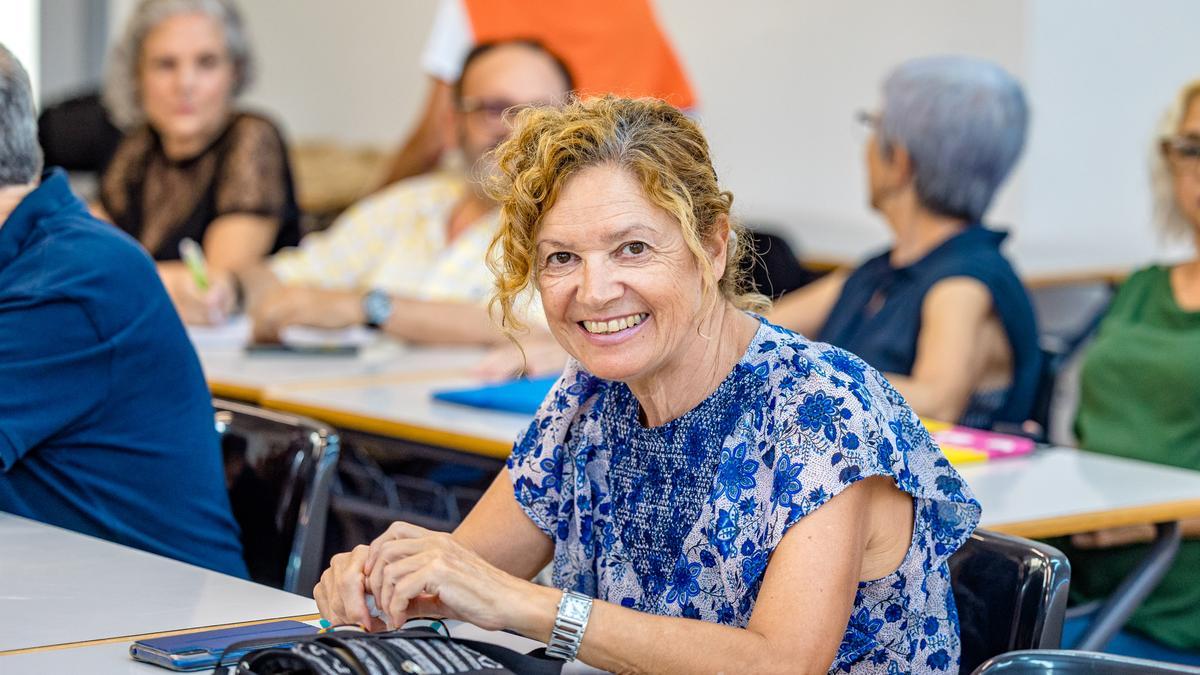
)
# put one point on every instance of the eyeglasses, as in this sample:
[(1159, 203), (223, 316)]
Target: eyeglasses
[(868, 120), (866, 123), (1182, 154), (494, 110)]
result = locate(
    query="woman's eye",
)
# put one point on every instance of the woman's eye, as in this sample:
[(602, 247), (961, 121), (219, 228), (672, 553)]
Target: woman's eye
[(634, 248), (560, 258)]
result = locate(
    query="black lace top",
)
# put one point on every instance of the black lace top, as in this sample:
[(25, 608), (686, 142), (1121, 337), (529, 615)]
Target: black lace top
[(159, 201)]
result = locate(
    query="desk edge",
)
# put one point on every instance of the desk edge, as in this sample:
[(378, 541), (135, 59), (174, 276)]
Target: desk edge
[(400, 430), (146, 636), (1099, 520)]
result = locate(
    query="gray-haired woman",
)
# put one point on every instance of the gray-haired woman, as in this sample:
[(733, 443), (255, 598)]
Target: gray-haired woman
[(941, 312), (191, 166)]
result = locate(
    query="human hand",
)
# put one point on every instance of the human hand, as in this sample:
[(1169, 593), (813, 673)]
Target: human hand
[(1113, 537), (414, 572), (195, 306), (341, 591), (543, 356), (284, 306)]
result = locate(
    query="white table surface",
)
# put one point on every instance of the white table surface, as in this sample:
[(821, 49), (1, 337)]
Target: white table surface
[(1066, 485), (407, 403), (113, 658), (58, 586), (227, 364)]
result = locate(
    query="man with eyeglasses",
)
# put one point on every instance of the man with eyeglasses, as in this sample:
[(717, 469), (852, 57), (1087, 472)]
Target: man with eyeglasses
[(409, 260)]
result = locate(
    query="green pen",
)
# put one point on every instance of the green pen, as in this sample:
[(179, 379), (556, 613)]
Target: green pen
[(193, 257)]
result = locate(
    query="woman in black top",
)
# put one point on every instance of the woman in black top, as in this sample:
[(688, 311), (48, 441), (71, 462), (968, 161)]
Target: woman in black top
[(190, 166), (941, 312)]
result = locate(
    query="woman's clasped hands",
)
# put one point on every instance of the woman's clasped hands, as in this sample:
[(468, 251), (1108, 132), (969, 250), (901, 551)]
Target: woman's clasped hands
[(413, 573)]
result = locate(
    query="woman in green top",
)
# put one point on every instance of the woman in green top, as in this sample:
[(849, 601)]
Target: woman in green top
[(1140, 398)]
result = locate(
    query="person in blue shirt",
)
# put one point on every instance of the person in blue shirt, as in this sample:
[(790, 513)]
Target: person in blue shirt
[(941, 311), (106, 425)]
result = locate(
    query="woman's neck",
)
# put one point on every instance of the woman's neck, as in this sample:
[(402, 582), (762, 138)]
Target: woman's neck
[(178, 148), (1185, 285), (719, 341), (919, 231)]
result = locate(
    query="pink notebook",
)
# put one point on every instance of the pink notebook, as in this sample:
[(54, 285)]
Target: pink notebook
[(964, 444)]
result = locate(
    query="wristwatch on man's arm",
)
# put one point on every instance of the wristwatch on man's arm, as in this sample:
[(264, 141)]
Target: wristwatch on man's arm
[(377, 308)]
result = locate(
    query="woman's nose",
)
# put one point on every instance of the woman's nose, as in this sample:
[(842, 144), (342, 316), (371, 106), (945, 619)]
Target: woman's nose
[(600, 285)]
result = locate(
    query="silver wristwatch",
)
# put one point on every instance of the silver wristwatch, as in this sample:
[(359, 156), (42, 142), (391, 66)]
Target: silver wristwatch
[(377, 307), (573, 612)]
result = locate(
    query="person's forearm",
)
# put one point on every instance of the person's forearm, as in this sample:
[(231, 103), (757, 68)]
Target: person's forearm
[(425, 322), (927, 400), (255, 281), (622, 640)]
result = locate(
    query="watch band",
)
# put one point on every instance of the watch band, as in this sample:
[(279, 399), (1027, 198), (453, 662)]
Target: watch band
[(574, 609)]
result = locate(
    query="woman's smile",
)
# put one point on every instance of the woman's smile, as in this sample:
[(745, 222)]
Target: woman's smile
[(613, 331)]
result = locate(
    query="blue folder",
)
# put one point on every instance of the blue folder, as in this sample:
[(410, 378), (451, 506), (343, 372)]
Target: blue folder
[(518, 396)]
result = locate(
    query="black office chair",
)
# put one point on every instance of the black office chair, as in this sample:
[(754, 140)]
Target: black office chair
[(1011, 594), (279, 469), (1067, 316), (773, 266), (1067, 662)]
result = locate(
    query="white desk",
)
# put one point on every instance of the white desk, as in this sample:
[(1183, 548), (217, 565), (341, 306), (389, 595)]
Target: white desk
[(113, 658), (405, 409), (1062, 491), (58, 586), (233, 372)]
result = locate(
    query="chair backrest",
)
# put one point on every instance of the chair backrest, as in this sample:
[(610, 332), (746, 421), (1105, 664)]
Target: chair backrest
[(279, 469), (1011, 594), (1069, 662), (773, 267), (1068, 313)]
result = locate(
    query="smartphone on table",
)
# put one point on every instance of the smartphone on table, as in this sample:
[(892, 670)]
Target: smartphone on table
[(203, 650)]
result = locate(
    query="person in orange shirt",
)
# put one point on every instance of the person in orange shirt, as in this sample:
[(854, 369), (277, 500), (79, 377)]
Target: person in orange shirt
[(616, 47)]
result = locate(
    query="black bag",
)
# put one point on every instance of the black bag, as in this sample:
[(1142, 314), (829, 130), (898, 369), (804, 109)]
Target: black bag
[(412, 651)]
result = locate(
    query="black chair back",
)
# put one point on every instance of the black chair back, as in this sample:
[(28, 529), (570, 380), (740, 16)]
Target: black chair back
[(1011, 594), (279, 469), (1069, 662), (773, 266)]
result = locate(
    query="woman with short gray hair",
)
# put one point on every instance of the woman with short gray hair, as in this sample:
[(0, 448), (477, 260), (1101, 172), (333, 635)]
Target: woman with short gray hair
[(190, 165), (941, 312)]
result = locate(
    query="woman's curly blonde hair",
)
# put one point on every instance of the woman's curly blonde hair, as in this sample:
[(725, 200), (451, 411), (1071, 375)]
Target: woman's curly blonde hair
[(657, 144)]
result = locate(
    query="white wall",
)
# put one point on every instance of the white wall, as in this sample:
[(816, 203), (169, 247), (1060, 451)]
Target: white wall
[(779, 82), (19, 33), (1103, 72)]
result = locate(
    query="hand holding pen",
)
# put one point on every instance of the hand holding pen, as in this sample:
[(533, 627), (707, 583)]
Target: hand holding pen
[(206, 296)]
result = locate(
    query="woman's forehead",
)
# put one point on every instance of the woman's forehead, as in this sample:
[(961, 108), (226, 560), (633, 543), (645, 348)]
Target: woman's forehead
[(603, 202)]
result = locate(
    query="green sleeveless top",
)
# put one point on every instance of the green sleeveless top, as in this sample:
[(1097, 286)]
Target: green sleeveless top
[(1140, 398)]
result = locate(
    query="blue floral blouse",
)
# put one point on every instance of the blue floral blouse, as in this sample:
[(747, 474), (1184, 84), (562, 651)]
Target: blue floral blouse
[(681, 519)]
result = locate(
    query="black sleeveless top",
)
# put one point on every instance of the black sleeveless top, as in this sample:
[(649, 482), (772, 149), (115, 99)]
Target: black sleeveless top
[(159, 201), (884, 332)]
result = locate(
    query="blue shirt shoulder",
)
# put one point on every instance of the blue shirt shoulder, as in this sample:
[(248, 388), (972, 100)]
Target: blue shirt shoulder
[(106, 423)]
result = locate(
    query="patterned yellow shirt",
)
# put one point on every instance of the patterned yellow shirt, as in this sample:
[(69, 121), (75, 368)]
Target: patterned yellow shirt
[(396, 241)]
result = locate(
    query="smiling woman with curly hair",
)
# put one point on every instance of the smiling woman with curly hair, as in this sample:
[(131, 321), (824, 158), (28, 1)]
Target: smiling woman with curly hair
[(694, 461)]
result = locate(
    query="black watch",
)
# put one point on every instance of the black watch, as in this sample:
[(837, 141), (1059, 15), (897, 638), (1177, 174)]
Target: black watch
[(377, 307)]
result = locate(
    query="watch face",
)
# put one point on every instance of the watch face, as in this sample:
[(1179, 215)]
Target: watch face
[(378, 306), (575, 608)]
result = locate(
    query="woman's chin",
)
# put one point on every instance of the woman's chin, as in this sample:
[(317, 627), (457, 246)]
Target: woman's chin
[(612, 367)]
